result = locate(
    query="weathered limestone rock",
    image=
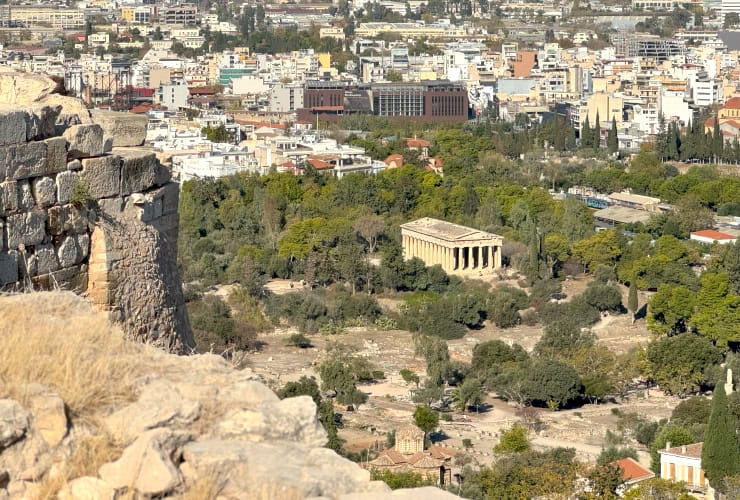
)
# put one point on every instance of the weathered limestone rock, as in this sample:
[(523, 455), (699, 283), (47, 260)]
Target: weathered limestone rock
[(8, 197), (139, 170), (146, 465), (102, 176), (292, 419), (248, 394), (42, 121), (13, 422), (25, 195), (86, 488), (23, 89), (21, 161), (48, 416), (13, 129), (286, 466), (65, 182), (160, 404), (85, 141), (121, 129), (44, 191), (45, 260), (56, 155), (74, 165), (8, 269), (68, 252), (26, 229)]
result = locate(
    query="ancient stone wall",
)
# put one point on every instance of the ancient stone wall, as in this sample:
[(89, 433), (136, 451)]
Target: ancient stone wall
[(78, 214)]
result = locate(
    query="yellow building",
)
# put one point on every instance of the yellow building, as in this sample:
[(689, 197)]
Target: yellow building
[(325, 60), (606, 106)]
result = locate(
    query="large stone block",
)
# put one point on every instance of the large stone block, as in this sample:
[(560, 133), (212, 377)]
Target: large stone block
[(139, 170), (26, 200), (170, 196), (56, 155), (69, 219), (46, 260), (122, 129), (85, 141), (13, 126), (68, 252), (26, 229), (21, 161), (42, 122), (65, 186), (8, 269), (102, 176), (44, 191), (8, 197)]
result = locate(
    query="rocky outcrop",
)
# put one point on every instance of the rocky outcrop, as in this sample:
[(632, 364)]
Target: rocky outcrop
[(77, 214), (193, 425)]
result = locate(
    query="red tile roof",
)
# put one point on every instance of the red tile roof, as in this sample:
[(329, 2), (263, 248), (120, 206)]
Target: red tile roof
[(398, 159), (732, 103), (689, 450), (711, 233), (633, 471), (320, 164), (417, 143)]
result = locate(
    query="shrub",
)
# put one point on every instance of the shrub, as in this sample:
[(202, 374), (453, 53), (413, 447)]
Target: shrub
[(299, 340), (513, 440)]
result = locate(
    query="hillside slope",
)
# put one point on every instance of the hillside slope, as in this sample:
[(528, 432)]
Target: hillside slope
[(85, 414)]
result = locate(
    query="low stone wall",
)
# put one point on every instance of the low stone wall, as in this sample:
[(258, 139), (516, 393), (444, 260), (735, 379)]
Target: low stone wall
[(78, 214)]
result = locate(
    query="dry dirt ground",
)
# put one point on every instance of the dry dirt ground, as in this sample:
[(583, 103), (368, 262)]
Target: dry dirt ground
[(389, 405)]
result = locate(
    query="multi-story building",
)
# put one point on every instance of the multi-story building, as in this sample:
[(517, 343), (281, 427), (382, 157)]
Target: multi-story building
[(286, 98), (431, 100), (32, 16), (184, 14)]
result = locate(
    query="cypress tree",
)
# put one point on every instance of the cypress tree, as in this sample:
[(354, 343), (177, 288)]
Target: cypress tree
[(718, 141), (612, 140), (632, 303), (597, 132), (586, 137), (720, 455)]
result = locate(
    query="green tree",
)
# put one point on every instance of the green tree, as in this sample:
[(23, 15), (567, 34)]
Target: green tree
[(679, 364), (408, 376), (605, 480), (426, 419), (670, 310), (612, 140), (469, 393), (551, 381), (632, 302), (513, 440), (720, 455), (658, 489), (601, 248), (400, 479)]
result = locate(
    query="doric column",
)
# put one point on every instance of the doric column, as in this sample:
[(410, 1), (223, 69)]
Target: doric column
[(449, 259)]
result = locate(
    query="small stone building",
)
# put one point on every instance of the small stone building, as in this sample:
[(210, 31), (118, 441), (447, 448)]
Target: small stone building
[(409, 439)]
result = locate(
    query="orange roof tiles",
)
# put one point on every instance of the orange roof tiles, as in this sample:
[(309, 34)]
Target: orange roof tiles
[(633, 471), (715, 235), (732, 103)]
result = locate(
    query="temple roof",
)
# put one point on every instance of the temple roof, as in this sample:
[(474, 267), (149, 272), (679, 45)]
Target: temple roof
[(448, 231)]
